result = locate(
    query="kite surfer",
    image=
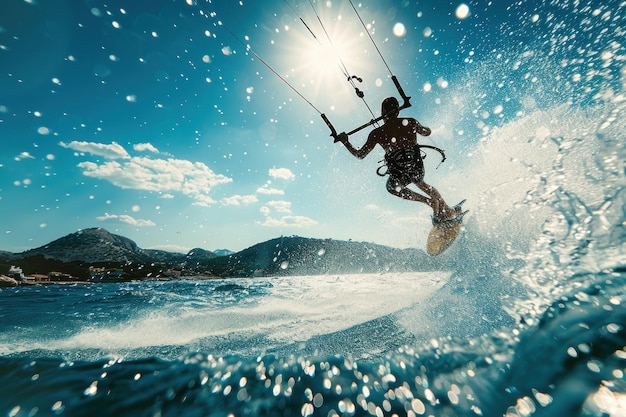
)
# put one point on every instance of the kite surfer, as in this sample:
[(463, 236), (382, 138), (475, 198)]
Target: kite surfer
[(403, 159), (398, 137)]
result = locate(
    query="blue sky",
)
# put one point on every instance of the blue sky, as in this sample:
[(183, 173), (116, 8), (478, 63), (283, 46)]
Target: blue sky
[(152, 120)]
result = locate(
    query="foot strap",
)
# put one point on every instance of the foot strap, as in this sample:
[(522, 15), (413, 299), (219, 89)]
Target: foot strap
[(458, 218)]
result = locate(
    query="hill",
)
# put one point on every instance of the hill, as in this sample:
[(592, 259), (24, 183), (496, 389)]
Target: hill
[(197, 257), (223, 252), (293, 255), (90, 245), (304, 256), (6, 255)]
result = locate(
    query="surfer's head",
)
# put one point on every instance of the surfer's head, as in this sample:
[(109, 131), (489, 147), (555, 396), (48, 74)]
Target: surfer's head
[(390, 107)]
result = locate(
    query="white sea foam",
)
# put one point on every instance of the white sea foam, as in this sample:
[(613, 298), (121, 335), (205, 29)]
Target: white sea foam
[(295, 309)]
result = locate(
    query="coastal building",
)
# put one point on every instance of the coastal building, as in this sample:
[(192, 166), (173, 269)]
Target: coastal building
[(37, 278), (16, 273), (60, 276), (173, 273), (105, 274)]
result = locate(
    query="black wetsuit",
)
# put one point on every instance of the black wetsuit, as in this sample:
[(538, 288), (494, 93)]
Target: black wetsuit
[(404, 166)]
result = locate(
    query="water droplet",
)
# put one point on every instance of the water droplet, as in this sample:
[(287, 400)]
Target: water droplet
[(58, 407), (614, 327), (418, 406), (462, 11), (92, 389), (399, 30)]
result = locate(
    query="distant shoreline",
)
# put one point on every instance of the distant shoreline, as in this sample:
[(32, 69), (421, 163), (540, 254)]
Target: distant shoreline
[(8, 282)]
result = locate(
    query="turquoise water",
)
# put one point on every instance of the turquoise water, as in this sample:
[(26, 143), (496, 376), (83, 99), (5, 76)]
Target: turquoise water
[(124, 349)]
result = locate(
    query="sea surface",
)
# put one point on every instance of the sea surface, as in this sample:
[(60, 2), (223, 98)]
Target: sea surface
[(379, 344)]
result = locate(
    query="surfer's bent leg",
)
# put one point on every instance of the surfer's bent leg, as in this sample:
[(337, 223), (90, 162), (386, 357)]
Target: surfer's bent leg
[(436, 202), (395, 187)]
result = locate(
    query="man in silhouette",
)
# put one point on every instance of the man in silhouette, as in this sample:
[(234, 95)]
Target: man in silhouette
[(398, 137)]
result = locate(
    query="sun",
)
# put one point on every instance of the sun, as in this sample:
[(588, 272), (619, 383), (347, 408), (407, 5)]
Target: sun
[(330, 58), (327, 56)]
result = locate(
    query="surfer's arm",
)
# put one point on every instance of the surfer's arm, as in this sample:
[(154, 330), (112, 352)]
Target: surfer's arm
[(422, 130), (361, 152)]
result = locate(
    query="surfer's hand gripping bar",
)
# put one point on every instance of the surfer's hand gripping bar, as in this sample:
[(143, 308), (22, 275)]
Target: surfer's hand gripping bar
[(333, 132), (406, 99)]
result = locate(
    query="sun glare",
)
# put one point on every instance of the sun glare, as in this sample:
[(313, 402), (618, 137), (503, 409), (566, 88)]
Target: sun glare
[(322, 64), (323, 60)]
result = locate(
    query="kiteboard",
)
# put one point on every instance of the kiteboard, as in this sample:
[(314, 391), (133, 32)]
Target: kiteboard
[(444, 232)]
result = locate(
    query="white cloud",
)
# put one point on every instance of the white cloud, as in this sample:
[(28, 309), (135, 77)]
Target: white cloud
[(171, 248), (284, 221), (140, 147), (237, 200), (265, 189), (124, 218), (281, 173), (193, 179), (203, 201), (111, 151), (280, 206), (289, 221)]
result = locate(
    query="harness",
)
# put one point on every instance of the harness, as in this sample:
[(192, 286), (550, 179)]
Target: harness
[(407, 163)]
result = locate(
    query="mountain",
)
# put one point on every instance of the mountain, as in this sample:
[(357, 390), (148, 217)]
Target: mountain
[(197, 257), (90, 245), (223, 252), (292, 255), (304, 256), (163, 256), (7, 255)]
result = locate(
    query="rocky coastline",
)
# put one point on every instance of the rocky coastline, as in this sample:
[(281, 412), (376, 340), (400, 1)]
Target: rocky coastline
[(97, 256)]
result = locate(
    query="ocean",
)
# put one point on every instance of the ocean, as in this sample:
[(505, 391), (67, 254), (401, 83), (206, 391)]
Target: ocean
[(407, 344)]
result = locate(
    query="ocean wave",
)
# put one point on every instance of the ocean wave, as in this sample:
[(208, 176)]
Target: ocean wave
[(570, 362)]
